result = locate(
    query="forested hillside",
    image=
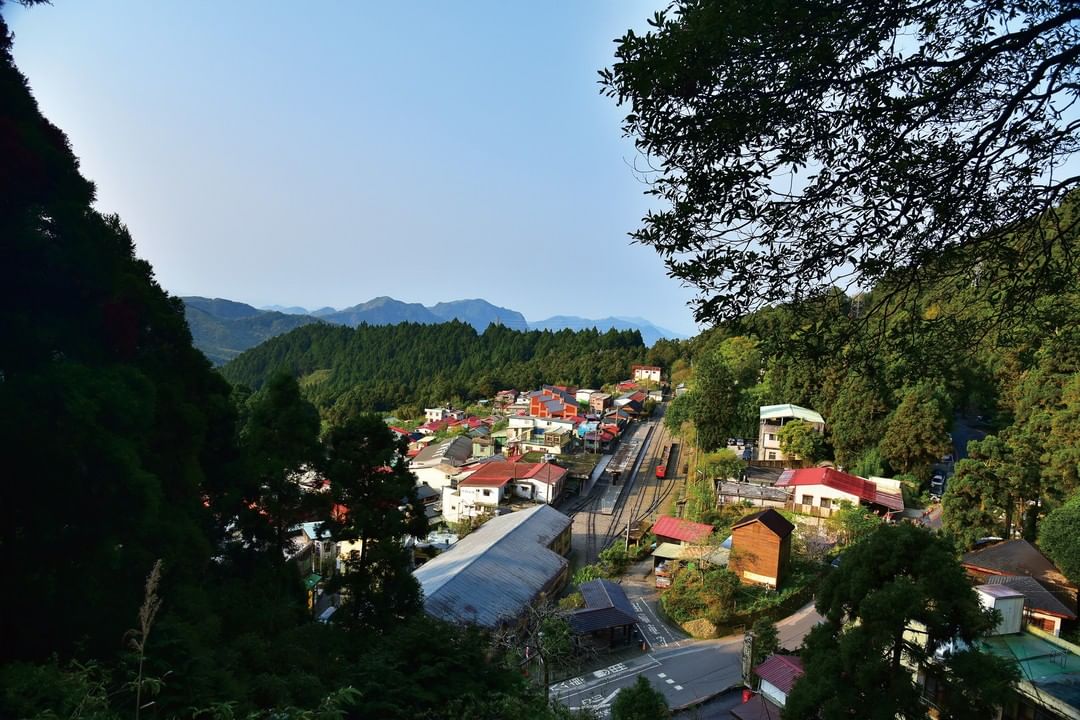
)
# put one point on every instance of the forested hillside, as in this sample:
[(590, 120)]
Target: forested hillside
[(222, 337), (380, 367), (892, 372), (143, 521)]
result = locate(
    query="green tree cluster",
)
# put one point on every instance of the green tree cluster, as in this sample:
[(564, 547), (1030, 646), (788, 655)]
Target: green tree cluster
[(898, 597), (348, 371), (1059, 538), (798, 438)]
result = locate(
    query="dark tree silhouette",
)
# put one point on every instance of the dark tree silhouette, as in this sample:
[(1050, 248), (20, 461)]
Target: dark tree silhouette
[(799, 146)]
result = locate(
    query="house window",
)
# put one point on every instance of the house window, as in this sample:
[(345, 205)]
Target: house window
[(807, 499), (772, 455), (825, 503), (487, 493), (771, 436)]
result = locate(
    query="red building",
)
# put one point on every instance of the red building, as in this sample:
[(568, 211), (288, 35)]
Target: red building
[(554, 402)]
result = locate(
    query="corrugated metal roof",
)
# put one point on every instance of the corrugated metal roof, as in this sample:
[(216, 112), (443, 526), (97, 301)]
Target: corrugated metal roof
[(604, 593), (668, 551), (491, 575), (781, 670), (851, 484), (771, 412), (456, 450), (680, 529), (606, 606)]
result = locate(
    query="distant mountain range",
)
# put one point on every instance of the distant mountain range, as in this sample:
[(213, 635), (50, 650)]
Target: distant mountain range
[(223, 329)]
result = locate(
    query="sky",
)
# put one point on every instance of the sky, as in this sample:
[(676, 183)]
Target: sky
[(331, 153)]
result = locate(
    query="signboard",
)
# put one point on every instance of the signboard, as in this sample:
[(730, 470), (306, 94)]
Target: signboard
[(747, 657)]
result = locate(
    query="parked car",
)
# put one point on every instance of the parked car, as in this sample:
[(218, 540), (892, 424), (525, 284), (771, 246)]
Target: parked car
[(937, 485)]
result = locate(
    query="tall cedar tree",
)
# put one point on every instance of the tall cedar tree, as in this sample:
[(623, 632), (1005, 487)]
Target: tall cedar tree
[(899, 594), (280, 441), (376, 507), (115, 432)]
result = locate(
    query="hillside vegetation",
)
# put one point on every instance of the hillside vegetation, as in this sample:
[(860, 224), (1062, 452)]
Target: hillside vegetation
[(380, 367)]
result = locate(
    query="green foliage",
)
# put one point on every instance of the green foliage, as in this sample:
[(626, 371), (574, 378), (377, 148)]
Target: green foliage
[(728, 97), (611, 563), (279, 440), (585, 573), (714, 407), (916, 434), (852, 523), (799, 438), (766, 640), (972, 507), (898, 577), (368, 475), (698, 592), (380, 367), (868, 464), (640, 701), (1060, 539), (857, 421), (679, 411)]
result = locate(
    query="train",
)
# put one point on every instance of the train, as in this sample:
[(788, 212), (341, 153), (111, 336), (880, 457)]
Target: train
[(667, 458)]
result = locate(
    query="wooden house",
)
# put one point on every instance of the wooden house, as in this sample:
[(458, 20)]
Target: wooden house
[(761, 548)]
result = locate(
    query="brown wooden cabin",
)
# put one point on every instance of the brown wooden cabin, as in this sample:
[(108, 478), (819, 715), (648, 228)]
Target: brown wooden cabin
[(761, 548)]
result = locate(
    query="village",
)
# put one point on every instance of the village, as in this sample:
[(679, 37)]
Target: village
[(582, 505)]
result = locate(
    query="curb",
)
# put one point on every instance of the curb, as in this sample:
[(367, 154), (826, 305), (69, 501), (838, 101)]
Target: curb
[(702, 700)]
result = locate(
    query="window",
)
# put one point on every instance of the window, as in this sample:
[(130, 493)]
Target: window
[(825, 503), (487, 493), (807, 499), (770, 436), (772, 455)]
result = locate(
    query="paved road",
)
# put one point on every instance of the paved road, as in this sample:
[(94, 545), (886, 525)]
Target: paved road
[(792, 629), (685, 675), (639, 585), (687, 671)]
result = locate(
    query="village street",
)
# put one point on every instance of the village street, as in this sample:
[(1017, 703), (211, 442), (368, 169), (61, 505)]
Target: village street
[(687, 671)]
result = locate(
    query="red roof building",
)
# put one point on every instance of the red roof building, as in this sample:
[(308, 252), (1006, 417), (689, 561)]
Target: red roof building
[(819, 491), (533, 481), (671, 529), (778, 676)]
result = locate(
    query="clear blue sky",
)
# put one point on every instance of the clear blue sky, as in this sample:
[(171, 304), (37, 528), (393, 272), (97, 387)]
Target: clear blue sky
[(326, 153)]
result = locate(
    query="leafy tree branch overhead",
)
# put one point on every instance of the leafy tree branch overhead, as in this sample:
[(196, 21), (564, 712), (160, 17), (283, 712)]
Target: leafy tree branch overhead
[(798, 146)]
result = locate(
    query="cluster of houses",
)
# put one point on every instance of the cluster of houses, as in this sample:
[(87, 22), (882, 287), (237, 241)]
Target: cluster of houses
[(477, 470)]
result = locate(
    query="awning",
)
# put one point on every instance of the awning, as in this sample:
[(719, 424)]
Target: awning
[(668, 551)]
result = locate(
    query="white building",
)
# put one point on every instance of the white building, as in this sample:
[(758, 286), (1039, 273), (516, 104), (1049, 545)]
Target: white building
[(774, 417), (584, 395), (548, 435), (647, 372)]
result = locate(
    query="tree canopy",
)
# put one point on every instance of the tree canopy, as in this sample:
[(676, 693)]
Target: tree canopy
[(797, 146), (899, 594)]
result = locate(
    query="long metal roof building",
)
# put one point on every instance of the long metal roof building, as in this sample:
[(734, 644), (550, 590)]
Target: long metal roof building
[(490, 576)]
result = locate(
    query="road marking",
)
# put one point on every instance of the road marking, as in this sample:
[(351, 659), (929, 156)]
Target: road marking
[(669, 681), (618, 667), (661, 675), (678, 687)]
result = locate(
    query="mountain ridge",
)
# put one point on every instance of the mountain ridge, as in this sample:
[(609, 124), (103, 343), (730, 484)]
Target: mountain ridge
[(223, 328)]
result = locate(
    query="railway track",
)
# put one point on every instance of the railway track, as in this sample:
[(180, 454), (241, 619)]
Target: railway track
[(642, 496)]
